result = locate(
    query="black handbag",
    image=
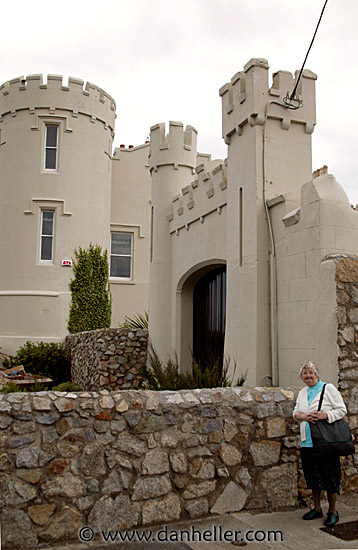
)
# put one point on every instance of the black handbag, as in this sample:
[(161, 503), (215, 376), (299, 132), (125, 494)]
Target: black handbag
[(331, 438)]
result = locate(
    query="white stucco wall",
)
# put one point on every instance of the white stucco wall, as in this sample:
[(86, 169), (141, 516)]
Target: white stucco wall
[(323, 224), (131, 213)]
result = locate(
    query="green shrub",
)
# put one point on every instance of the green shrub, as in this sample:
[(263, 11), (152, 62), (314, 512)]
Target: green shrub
[(37, 386), (91, 305), (168, 377), (67, 386), (139, 321), (12, 387), (45, 359), (242, 379), (8, 363)]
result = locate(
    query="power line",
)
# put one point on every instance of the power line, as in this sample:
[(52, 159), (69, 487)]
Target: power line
[(292, 96)]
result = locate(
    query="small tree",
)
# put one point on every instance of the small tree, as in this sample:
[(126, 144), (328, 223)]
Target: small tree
[(91, 306)]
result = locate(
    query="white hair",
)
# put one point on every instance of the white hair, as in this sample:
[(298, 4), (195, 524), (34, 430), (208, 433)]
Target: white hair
[(309, 365)]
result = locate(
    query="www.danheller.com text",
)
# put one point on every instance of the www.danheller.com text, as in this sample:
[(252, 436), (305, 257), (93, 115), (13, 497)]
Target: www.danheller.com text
[(215, 534)]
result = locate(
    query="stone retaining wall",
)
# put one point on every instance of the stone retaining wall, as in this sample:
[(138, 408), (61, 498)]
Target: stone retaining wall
[(108, 358), (347, 316), (130, 459), (135, 458)]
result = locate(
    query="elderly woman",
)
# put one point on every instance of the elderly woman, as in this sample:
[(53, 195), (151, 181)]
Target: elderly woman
[(320, 473)]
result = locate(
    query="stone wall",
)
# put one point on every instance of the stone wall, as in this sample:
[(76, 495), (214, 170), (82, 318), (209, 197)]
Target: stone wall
[(347, 314), (129, 459), (135, 458), (108, 358)]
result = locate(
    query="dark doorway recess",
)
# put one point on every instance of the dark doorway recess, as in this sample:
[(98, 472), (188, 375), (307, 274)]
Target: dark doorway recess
[(209, 309)]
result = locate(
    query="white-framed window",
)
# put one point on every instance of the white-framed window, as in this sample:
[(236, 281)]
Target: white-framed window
[(121, 265), (51, 147), (47, 235)]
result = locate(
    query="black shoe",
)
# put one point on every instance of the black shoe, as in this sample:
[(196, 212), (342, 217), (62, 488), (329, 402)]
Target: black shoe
[(331, 519), (313, 514)]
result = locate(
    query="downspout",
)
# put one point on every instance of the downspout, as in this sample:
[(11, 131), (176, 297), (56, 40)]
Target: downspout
[(273, 273)]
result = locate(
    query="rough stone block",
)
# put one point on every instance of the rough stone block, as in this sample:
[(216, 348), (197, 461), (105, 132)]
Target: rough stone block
[(280, 485), (164, 510), (151, 487), (155, 462), (40, 514), (232, 499), (27, 458), (41, 404), (276, 427), (265, 453), (202, 468), (230, 455), (194, 490), (178, 462), (197, 508), (66, 485)]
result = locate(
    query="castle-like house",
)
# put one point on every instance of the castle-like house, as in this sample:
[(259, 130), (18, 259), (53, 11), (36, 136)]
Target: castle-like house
[(233, 256)]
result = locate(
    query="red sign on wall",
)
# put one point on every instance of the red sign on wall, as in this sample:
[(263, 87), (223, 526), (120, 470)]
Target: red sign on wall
[(67, 263)]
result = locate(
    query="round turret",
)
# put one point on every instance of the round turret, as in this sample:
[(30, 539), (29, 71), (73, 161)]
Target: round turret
[(55, 181), (172, 163)]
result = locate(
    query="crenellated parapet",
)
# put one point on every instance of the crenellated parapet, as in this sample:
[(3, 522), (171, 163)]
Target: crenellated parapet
[(176, 148), (77, 97), (246, 98), (205, 195)]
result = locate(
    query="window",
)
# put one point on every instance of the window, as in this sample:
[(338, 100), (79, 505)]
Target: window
[(47, 226), (121, 255), (51, 147)]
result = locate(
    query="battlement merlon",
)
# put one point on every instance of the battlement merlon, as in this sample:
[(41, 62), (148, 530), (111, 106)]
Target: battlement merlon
[(31, 93), (204, 195), (177, 148), (245, 97)]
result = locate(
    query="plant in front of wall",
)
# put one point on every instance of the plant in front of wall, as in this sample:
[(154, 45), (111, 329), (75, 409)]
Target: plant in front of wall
[(37, 387), (158, 376), (67, 387), (91, 305), (137, 322), (11, 387), (48, 359)]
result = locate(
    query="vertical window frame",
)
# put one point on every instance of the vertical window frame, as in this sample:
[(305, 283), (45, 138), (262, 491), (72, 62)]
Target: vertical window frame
[(131, 256), (47, 147), (43, 235)]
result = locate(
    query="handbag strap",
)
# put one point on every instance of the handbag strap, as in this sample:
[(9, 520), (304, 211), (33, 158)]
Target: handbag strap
[(321, 398)]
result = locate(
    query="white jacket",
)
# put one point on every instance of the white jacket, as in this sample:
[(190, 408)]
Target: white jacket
[(333, 405)]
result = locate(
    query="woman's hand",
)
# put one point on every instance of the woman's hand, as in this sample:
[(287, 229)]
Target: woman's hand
[(314, 416), (311, 417)]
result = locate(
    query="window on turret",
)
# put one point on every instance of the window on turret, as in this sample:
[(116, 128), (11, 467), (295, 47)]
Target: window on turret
[(47, 233), (51, 147), (121, 255)]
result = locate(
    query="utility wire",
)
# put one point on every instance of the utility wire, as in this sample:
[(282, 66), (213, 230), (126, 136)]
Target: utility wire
[(309, 49)]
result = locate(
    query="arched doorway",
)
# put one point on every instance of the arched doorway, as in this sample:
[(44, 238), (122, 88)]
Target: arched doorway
[(209, 311)]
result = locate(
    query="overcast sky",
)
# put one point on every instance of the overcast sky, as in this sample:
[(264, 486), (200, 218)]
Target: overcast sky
[(165, 60)]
